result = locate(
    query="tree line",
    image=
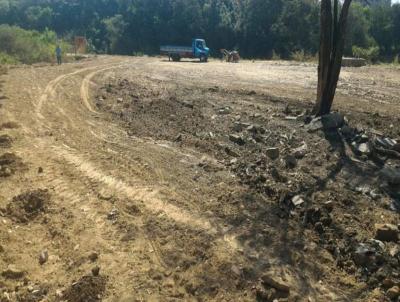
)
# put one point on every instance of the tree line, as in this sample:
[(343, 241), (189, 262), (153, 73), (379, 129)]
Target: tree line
[(257, 28)]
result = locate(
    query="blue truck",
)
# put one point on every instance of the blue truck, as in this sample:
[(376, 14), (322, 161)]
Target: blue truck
[(198, 50)]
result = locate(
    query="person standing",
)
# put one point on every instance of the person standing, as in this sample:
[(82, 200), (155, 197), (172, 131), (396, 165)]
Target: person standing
[(58, 54)]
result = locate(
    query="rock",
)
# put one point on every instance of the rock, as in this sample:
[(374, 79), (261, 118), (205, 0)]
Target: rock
[(93, 256), (287, 110), (240, 126), (388, 283), (178, 138), (119, 100), (13, 272), (273, 153), (364, 148), (266, 295), (297, 200), (364, 254), (96, 271), (314, 125), (319, 227), (231, 152), (393, 292), (394, 251), (188, 104), (236, 270), (333, 121), (237, 139), (275, 282), (278, 176), (7, 172), (329, 205), (387, 232), (40, 170), (386, 143), (224, 111), (347, 131), (390, 175), (300, 152), (290, 161), (105, 195), (113, 215), (43, 257)]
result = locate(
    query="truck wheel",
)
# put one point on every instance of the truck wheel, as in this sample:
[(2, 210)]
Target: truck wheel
[(203, 59)]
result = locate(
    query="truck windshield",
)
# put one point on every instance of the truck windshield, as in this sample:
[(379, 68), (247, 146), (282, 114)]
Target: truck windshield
[(201, 44)]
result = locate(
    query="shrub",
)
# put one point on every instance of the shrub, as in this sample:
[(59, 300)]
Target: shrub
[(7, 59), (370, 54), (275, 56), (28, 47), (302, 56)]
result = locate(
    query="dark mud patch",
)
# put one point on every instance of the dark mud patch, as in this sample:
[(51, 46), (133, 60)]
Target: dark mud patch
[(9, 164), (5, 141), (9, 125), (27, 206), (87, 289), (36, 295)]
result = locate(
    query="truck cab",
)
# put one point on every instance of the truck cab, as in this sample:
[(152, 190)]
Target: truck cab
[(200, 49)]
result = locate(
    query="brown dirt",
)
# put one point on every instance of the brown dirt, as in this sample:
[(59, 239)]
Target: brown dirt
[(137, 158), (27, 206)]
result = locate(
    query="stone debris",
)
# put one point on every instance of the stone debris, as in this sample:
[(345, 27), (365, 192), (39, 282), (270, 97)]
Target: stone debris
[(12, 272), (224, 111), (393, 292), (93, 256), (275, 282), (387, 232), (237, 139), (297, 200), (390, 175), (43, 257), (272, 153), (96, 271), (290, 161), (300, 152)]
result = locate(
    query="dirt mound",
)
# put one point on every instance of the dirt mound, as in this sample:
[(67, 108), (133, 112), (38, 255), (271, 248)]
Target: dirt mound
[(87, 289), (29, 295), (5, 141), (9, 163), (9, 125), (29, 205)]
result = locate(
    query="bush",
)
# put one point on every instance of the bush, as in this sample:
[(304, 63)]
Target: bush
[(275, 56), (301, 56), (27, 47), (7, 59), (370, 54)]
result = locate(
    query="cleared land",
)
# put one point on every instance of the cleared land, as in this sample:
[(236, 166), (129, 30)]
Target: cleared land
[(160, 174)]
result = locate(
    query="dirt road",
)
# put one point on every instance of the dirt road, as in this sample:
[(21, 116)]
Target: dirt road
[(128, 153)]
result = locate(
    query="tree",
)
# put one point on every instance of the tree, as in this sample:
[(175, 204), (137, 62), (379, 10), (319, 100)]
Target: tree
[(332, 40), (115, 27)]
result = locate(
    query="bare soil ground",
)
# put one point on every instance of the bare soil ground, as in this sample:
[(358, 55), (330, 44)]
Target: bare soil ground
[(139, 179)]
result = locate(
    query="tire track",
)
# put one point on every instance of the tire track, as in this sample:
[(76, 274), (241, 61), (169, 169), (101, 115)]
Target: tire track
[(145, 194)]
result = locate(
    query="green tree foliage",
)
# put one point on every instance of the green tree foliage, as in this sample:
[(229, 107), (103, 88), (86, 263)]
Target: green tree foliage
[(23, 46), (257, 28)]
